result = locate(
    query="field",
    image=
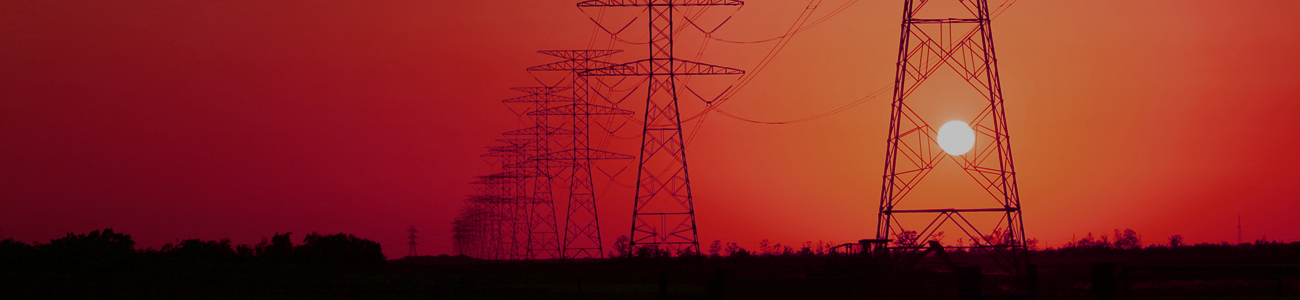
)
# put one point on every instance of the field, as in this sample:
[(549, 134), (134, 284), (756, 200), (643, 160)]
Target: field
[(104, 266)]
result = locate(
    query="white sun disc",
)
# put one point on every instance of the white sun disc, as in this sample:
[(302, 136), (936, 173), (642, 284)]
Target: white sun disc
[(956, 138)]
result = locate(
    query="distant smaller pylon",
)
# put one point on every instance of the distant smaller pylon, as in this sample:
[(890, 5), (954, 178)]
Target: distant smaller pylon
[(411, 252)]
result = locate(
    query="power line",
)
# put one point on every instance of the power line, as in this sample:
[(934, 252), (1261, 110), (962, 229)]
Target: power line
[(1001, 8), (749, 76), (801, 29), (864, 99), (767, 59)]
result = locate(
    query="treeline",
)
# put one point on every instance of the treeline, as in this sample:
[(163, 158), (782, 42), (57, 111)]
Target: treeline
[(107, 249), (1129, 241), (718, 249), (1122, 241)]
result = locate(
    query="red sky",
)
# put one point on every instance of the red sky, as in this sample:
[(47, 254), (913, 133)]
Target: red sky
[(238, 119)]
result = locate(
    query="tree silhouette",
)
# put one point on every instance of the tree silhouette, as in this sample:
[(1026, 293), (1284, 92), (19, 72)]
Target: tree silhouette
[(807, 249), (936, 236), (1124, 240), (199, 251), (339, 248), (280, 248), (14, 253), (621, 247), (1128, 239), (908, 238), (732, 248), (651, 251), (740, 253), (95, 249), (1089, 242), (715, 248)]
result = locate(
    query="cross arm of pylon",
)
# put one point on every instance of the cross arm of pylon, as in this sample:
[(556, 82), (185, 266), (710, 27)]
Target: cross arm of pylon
[(620, 3), (572, 154), (574, 109), (513, 174), (540, 89), (579, 54), (526, 199), (501, 153), (536, 130), (489, 199), (514, 148), (491, 181), (534, 164), (572, 64), (517, 142), (538, 98), (645, 67), (945, 20)]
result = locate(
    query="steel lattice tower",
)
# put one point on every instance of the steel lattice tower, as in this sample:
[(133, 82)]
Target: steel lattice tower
[(538, 210), (582, 222), (663, 214), (963, 44), (412, 231), (504, 197)]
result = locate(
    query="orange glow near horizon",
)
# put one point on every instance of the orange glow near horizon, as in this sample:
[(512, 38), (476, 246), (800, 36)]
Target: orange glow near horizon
[(204, 119)]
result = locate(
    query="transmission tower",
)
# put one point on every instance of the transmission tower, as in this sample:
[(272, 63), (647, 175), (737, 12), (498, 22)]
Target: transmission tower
[(518, 169), (962, 43), (503, 199), (538, 211), (663, 214), (463, 233), (582, 222), (411, 252)]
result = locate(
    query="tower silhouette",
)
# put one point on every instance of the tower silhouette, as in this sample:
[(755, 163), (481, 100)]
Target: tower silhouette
[(582, 222), (541, 234), (663, 213), (501, 200), (955, 37), (411, 236)]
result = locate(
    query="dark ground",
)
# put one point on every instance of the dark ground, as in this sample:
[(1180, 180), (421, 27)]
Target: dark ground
[(1151, 274), (1061, 276), (104, 265)]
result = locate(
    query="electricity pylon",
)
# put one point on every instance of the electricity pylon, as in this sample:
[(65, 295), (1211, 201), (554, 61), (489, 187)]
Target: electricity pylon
[(663, 215), (411, 252), (582, 222), (504, 197), (964, 44), (542, 239)]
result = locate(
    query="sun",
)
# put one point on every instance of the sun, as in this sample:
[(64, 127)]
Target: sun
[(956, 138)]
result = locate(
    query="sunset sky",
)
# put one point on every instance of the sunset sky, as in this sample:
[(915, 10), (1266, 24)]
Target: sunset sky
[(238, 119)]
